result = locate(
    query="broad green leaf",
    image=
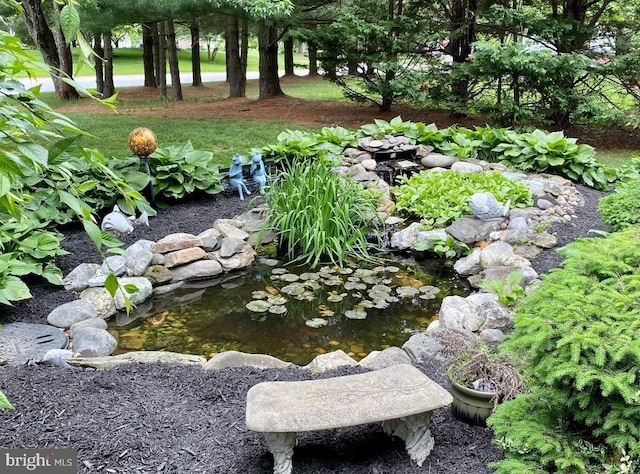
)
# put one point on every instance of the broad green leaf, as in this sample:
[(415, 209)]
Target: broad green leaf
[(70, 22)]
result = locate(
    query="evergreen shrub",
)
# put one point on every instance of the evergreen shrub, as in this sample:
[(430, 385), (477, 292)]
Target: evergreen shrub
[(579, 336)]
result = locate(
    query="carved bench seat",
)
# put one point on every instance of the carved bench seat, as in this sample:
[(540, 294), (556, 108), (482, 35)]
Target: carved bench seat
[(400, 396)]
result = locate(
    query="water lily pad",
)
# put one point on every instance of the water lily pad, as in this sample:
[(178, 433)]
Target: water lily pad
[(345, 271), (407, 291), (430, 290), (259, 295), (272, 290), (312, 284), (258, 306), (335, 298), (356, 314), (381, 288), (293, 289), (277, 300), (316, 322), (326, 271), (309, 276), (279, 271), (381, 304), (290, 277), (352, 285), (333, 282), (371, 279), (353, 278), (278, 309), (392, 269), (363, 272), (326, 312), (367, 304)]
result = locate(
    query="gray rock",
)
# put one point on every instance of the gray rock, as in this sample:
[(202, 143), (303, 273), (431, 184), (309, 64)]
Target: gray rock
[(495, 316), (423, 347), (183, 256), (466, 167), (116, 264), (471, 229), (142, 293), (137, 262), (231, 246), (405, 238), (70, 313), (158, 274), (94, 342), (239, 359), (498, 254), (329, 361), (470, 264), (240, 260), (78, 278), (388, 357), (177, 241), (518, 230), (88, 323), (101, 300), (197, 270), (437, 160), (453, 311), (139, 357), (544, 240), (492, 336), (227, 229), (140, 246)]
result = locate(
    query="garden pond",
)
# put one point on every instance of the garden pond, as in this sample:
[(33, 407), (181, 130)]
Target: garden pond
[(294, 313)]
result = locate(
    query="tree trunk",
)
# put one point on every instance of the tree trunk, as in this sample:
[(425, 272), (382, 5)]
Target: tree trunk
[(244, 50), (234, 65), (176, 85), (313, 59), (54, 49), (288, 56), (109, 87), (157, 46), (147, 55), (98, 65), (196, 70), (462, 34), (162, 59), (269, 81)]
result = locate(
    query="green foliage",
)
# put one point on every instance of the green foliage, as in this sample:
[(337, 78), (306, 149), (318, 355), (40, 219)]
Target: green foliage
[(579, 335), (5, 404), (622, 207), (509, 291), (305, 145), (320, 215), (447, 248), (181, 170), (439, 198), (543, 152)]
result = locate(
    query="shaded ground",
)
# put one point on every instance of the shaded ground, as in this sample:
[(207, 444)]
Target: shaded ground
[(170, 419)]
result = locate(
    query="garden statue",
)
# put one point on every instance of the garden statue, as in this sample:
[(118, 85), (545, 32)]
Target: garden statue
[(235, 176), (118, 221), (486, 206), (257, 171)]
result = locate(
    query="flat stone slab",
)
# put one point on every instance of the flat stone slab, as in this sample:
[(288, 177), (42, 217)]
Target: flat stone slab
[(20, 342), (387, 394)]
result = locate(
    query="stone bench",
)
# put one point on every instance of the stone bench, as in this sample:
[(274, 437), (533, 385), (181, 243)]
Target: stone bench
[(400, 396)]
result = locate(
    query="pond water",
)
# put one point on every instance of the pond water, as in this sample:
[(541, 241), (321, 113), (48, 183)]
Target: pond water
[(394, 298)]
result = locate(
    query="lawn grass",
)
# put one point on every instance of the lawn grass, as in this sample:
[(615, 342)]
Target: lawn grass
[(224, 137)]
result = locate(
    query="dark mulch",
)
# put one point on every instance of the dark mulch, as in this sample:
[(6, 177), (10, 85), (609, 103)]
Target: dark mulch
[(172, 419)]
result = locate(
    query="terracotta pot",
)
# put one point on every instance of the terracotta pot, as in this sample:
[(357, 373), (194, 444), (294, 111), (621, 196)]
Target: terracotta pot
[(471, 406)]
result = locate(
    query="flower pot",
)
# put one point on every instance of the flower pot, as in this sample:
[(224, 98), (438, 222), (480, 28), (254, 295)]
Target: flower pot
[(471, 406)]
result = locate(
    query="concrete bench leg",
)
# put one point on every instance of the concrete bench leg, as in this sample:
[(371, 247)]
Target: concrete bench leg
[(281, 446), (415, 432)]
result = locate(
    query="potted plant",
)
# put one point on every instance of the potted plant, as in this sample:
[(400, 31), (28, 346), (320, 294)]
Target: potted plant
[(480, 377)]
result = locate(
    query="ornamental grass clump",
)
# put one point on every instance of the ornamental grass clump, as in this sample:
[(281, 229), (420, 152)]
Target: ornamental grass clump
[(319, 215), (579, 335)]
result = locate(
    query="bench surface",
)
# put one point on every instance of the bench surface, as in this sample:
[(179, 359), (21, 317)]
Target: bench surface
[(394, 392)]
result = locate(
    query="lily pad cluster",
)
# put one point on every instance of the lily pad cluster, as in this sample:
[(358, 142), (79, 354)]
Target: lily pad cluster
[(371, 289)]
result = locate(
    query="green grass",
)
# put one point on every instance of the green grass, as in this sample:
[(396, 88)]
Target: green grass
[(615, 158), (224, 137), (129, 61)]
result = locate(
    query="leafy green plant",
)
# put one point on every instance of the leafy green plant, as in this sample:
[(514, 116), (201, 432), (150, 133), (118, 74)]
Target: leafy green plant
[(448, 248), (622, 207), (319, 215), (5, 404), (509, 291), (181, 170), (544, 152), (579, 336), (441, 198), (293, 145)]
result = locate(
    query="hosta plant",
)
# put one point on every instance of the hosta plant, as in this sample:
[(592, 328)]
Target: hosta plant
[(181, 170)]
